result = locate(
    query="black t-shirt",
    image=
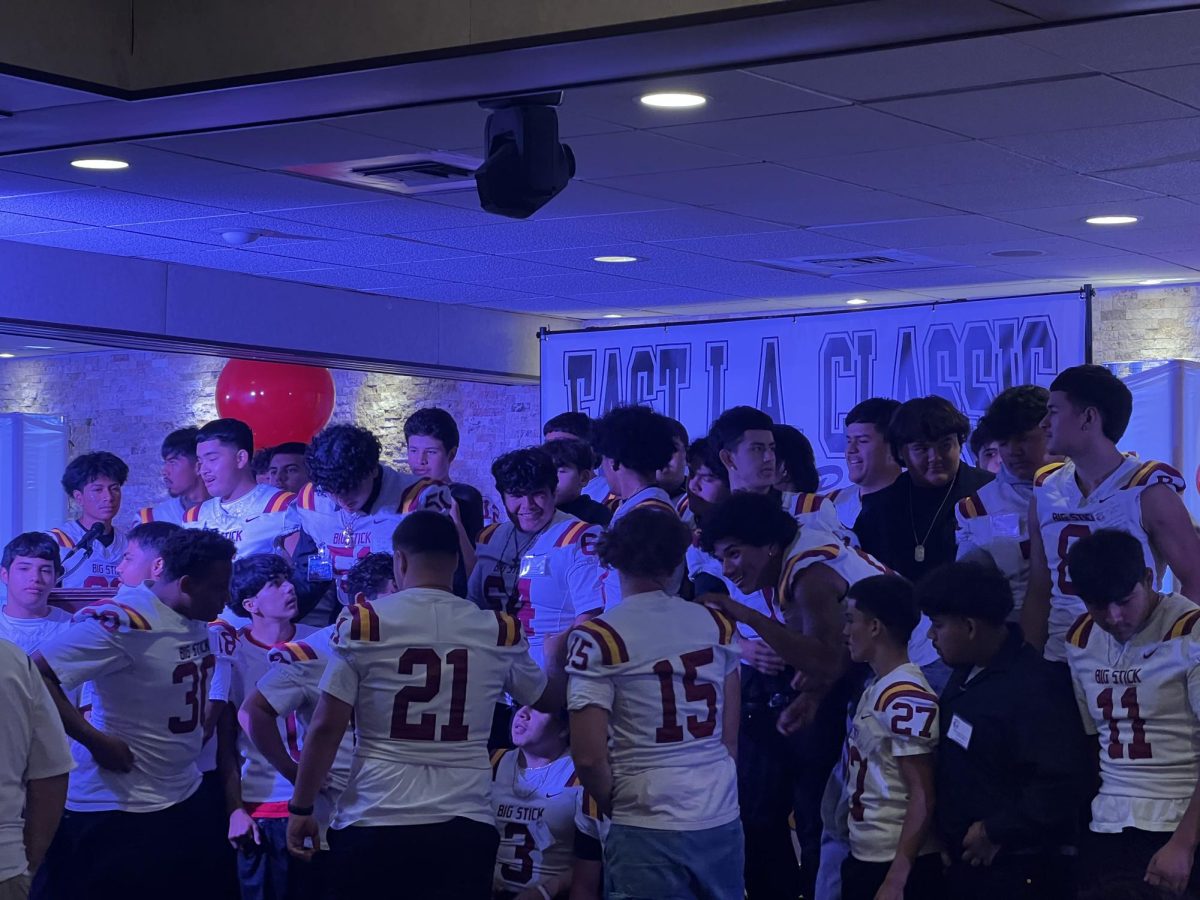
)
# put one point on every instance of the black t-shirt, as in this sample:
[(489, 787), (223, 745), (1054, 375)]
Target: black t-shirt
[(889, 517), (588, 510)]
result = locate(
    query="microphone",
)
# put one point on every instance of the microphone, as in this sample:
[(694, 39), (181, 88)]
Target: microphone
[(85, 542)]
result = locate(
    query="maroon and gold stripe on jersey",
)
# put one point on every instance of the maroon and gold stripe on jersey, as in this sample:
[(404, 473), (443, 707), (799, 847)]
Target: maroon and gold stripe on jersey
[(1079, 633), (64, 540), (364, 622), (971, 507), (146, 514), (508, 630), (1039, 477), (1156, 473), (411, 498), (904, 689), (293, 651), (806, 504), (611, 502), (307, 498), (487, 533), (497, 755), (726, 630), (1183, 626), (113, 614), (613, 651), (279, 502), (193, 513), (653, 503), (572, 534)]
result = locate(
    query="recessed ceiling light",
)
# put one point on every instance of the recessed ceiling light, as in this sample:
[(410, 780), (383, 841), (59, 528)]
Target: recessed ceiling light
[(857, 301), (106, 164), (1014, 254), (673, 100), (614, 259), (1111, 220), (611, 316), (7, 355), (38, 347)]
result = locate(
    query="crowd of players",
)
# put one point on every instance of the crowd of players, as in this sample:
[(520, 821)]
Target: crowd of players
[(304, 674)]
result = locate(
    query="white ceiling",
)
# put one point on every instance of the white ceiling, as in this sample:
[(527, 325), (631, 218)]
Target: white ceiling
[(951, 152)]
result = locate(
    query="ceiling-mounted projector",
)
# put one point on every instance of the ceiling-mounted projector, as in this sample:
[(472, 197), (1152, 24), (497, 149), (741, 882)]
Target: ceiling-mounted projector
[(526, 165)]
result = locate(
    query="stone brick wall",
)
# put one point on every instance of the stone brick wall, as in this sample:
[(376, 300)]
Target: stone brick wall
[(125, 401), (1159, 322)]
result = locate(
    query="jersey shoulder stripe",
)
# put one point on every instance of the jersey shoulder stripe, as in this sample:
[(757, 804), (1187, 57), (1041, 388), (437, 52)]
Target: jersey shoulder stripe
[(193, 513), (112, 615), (412, 494), (806, 504), (307, 498), (903, 689), (683, 504), (833, 495), (825, 551), (1039, 477), (572, 534), (364, 622), (612, 502), (1183, 626), (1079, 633), (508, 630), (725, 627), (613, 651), (292, 651), (497, 755), (573, 781), (653, 502), (146, 514), (64, 540), (971, 507), (279, 501), (1158, 472), (487, 533), (591, 808)]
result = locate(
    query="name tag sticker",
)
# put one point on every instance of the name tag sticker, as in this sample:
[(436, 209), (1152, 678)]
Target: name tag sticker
[(1006, 525), (534, 565), (960, 732), (320, 566)]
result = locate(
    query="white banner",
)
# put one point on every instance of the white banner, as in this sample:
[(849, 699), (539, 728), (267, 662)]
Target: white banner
[(809, 370)]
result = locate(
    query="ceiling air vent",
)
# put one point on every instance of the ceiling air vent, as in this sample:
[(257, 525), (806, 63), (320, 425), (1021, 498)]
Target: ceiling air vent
[(832, 266), (411, 174)]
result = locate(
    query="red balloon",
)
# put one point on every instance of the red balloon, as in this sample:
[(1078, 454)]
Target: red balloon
[(279, 401)]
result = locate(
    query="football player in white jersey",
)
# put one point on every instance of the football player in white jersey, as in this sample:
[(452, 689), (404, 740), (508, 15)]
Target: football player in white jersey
[(1098, 487), (993, 523), (672, 477), (29, 567), (869, 460), (1135, 664), (135, 786), (660, 675), (258, 818), (535, 794), (181, 476), (421, 672), (888, 756), (90, 546), (252, 515), (541, 565)]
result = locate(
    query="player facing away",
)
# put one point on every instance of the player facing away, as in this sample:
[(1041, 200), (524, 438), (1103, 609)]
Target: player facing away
[(993, 522), (252, 515), (660, 675), (888, 757), (421, 672), (181, 476), (1098, 487), (1135, 663), (535, 795), (29, 567), (541, 564), (137, 780), (93, 481)]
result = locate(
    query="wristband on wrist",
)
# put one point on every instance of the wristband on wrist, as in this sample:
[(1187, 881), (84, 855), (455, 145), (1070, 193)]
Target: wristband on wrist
[(299, 810)]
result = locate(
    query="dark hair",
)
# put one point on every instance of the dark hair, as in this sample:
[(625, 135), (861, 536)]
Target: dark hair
[(646, 542), (1016, 411), (192, 551), (925, 419), (86, 468), (635, 437), (152, 536), (794, 451), (520, 473), (877, 411), (679, 432), (1105, 566), (576, 423), (435, 423), (888, 598), (967, 589), (570, 452), (260, 462), (234, 432), (295, 448), (1097, 387), (726, 432), (754, 519), (253, 573), (341, 457), (981, 436), (701, 453), (426, 533), (369, 575), (33, 545), (180, 442)]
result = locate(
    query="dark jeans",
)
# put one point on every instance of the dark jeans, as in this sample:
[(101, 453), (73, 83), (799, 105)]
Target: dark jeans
[(444, 861), (1032, 877), (116, 855), (1105, 859), (862, 880)]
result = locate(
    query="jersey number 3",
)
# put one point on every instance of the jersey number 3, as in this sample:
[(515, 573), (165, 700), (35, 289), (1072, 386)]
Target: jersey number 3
[(425, 728)]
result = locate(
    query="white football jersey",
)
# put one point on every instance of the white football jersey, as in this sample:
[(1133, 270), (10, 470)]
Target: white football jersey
[(599, 491), (424, 670), (816, 510), (658, 665), (588, 819), (149, 668), (556, 579), (897, 715), (535, 814), (97, 571), (172, 510), (1065, 515), (847, 503), (652, 497), (29, 634), (265, 791), (995, 521), (683, 508), (253, 521), (1142, 700)]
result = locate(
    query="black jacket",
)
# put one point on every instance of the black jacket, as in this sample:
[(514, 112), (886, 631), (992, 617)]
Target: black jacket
[(588, 510), (1025, 771)]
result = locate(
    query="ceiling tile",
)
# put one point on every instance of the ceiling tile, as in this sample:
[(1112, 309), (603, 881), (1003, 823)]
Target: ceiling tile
[(1029, 192), (249, 190), (1125, 43), (579, 198), (1180, 179), (1130, 267), (96, 206), (929, 279), (111, 241), (572, 283), (1164, 214), (639, 153), (946, 230), (345, 277), (14, 184), (276, 146), (209, 230), (147, 166), (1037, 108), (11, 223), (449, 292), (768, 245), (363, 251), (480, 269), (661, 296), (394, 215), (926, 68), (230, 259), (673, 224), (556, 306), (19, 94), (1180, 83), (511, 237), (1051, 247), (1118, 146)]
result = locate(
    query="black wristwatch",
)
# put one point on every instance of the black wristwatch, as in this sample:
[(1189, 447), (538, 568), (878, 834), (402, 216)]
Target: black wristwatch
[(299, 810)]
